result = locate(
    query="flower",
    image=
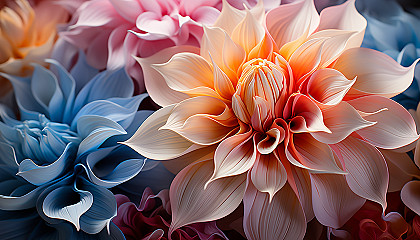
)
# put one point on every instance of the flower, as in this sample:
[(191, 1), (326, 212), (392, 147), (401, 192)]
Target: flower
[(60, 156), (110, 31), (282, 111), (151, 219), (27, 35)]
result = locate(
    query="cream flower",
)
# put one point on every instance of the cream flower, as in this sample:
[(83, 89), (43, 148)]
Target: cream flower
[(283, 111)]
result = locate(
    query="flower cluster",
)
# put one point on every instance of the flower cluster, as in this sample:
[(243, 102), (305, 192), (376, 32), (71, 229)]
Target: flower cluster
[(256, 119)]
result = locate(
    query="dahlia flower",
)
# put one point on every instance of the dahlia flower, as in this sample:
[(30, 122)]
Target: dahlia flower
[(283, 111), (27, 35), (61, 155), (151, 220)]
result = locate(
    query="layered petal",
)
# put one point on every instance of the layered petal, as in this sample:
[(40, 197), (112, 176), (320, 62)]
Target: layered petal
[(410, 195)]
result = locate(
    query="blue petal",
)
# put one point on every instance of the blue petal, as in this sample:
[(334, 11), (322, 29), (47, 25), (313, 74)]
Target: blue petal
[(39, 175), (24, 201), (8, 156), (82, 71), (17, 224), (95, 130)]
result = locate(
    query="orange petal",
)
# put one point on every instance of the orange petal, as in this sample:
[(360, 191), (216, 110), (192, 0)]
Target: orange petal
[(376, 72), (157, 144), (367, 171), (268, 174), (191, 202), (229, 17), (333, 201), (290, 21), (394, 126), (156, 85), (248, 33), (222, 84), (344, 17), (342, 120), (279, 218)]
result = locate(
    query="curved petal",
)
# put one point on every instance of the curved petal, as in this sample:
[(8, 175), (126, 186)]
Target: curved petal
[(229, 17), (376, 72), (279, 218), (306, 58), (367, 170), (248, 33), (188, 195), (410, 195), (333, 201), (288, 22), (394, 126), (344, 17), (156, 85), (341, 120), (235, 155), (268, 174), (157, 144)]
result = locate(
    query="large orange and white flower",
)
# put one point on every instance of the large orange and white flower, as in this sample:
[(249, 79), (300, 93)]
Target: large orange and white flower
[(283, 111)]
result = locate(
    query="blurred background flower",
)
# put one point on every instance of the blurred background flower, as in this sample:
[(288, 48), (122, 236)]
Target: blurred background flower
[(28, 32), (152, 217), (60, 154)]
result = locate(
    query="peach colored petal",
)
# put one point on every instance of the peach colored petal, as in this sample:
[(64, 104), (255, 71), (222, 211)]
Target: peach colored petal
[(273, 137), (344, 17), (328, 86), (235, 155), (394, 126), (417, 154), (156, 85), (248, 33), (290, 21), (367, 170), (238, 106), (268, 174), (177, 164), (342, 120), (401, 169), (279, 218), (191, 202), (222, 84), (410, 195), (305, 151), (376, 72), (333, 201), (263, 49), (157, 144), (229, 17)]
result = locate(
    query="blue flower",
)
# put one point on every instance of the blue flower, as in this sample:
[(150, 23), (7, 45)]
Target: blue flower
[(60, 154), (395, 32)]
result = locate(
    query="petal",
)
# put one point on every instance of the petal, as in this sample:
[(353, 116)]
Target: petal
[(344, 17), (248, 33), (268, 174), (281, 217), (334, 202), (157, 144), (328, 86), (188, 195), (229, 17), (234, 155), (288, 22), (367, 170), (394, 126), (410, 195), (116, 54), (376, 72), (342, 120), (156, 85)]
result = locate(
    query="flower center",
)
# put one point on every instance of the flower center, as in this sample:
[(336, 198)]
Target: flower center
[(44, 141)]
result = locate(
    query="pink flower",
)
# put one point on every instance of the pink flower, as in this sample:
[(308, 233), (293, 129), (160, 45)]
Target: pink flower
[(151, 220), (111, 31), (283, 111), (28, 32)]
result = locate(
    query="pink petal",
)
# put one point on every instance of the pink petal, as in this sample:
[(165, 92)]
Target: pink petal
[(279, 218), (410, 195), (116, 51), (306, 152), (268, 174), (367, 170), (153, 24), (157, 144), (401, 169), (333, 201), (97, 13), (189, 196), (394, 126), (128, 9), (248, 33), (288, 22), (156, 85), (376, 72), (235, 155), (344, 17), (342, 120)]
